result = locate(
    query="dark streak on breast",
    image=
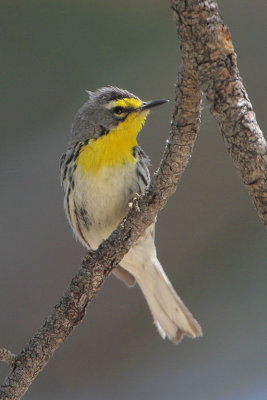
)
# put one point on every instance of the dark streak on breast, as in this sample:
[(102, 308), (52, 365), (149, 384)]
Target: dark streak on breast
[(78, 225), (134, 151), (84, 216), (104, 131)]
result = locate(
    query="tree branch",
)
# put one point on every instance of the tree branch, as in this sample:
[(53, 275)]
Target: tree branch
[(97, 265), (208, 59), (7, 356), (207, 49)]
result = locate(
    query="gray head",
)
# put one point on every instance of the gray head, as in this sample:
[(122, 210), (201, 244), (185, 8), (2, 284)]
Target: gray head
[(104, 110)]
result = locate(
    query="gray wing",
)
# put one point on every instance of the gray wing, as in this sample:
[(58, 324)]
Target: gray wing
[(142, 171)]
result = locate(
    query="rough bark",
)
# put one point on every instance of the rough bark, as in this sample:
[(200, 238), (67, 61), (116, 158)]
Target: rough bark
[(97, 265), (209, 64), (207, 49), (7, 356)]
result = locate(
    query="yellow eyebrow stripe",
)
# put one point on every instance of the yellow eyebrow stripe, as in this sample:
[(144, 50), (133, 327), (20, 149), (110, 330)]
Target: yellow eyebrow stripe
[(125, 103)]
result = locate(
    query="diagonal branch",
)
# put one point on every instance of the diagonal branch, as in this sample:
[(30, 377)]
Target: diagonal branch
[(207, 49), (97, 265), (208, 58), (7, 356)]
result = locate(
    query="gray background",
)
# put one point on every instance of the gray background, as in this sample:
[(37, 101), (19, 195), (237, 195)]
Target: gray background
[(209, 237)]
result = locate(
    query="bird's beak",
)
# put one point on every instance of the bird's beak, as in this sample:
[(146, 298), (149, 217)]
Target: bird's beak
[(147, 105)]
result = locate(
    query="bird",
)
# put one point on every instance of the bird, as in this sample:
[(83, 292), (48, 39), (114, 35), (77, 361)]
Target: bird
[(101, 171)]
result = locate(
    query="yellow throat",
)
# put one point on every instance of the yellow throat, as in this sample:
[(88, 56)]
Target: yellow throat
[(114, 148)]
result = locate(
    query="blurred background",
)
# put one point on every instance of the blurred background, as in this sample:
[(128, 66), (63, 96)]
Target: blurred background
[(209, 238)]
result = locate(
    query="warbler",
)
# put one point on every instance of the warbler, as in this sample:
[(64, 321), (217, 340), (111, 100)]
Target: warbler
[(101, 172)]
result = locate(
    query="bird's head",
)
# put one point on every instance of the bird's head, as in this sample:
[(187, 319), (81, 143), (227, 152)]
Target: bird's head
[(111, 108)]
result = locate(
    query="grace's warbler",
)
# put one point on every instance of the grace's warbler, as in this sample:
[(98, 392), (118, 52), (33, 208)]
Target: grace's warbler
[(101, 171)]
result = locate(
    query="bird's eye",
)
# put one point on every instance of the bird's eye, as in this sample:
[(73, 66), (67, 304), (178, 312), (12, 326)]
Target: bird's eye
[(118, 110)]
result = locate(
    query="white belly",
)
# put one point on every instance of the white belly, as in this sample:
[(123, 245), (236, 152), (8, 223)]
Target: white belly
[(104, 197)]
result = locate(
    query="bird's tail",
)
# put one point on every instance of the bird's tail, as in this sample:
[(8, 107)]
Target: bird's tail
[(171, 316)]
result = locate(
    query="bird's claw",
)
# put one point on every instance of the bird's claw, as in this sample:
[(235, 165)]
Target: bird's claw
[(134, 201)]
